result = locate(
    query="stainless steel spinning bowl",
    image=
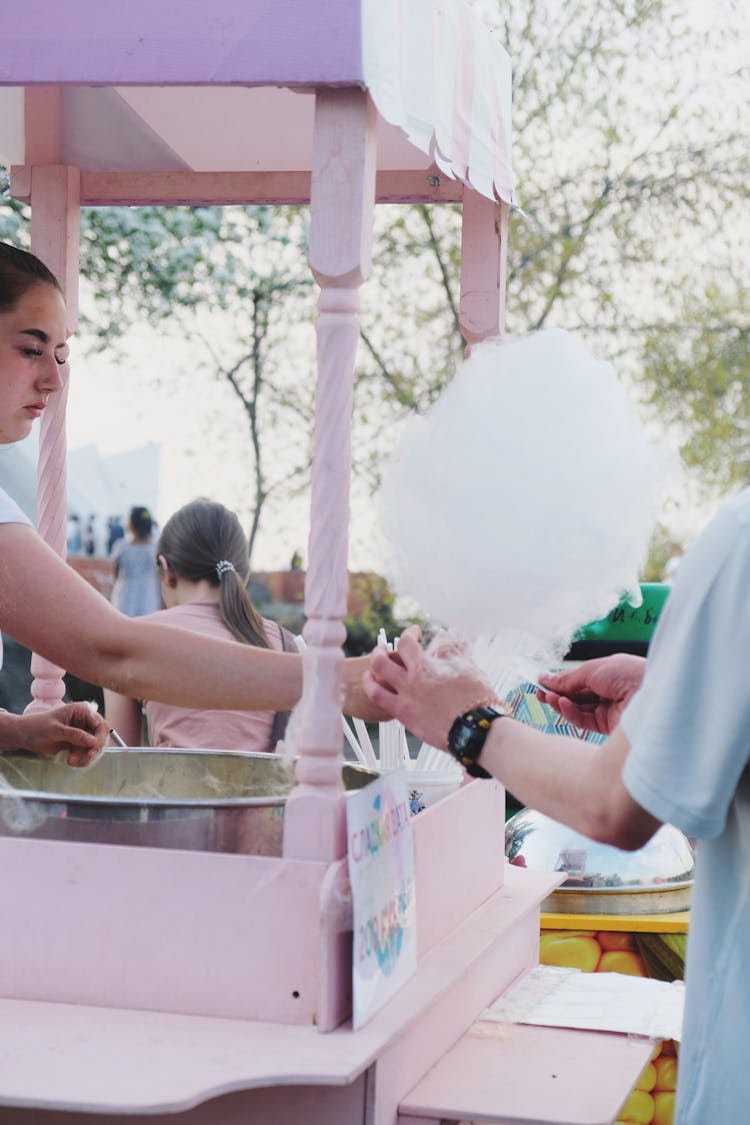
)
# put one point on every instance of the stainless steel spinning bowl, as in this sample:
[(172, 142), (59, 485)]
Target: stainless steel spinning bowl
[(655, 879), (200, 800)]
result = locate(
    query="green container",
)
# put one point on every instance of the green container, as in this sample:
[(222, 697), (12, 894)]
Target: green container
[(627, 624)]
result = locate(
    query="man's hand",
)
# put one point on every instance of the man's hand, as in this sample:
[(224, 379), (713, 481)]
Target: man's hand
[(594, 695), (72, 729), (426, 691)]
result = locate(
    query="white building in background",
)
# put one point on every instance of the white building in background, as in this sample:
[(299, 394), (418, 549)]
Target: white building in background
[(100, 485)]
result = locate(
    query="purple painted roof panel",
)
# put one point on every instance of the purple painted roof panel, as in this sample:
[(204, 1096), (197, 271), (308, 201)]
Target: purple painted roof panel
[(276, 42)]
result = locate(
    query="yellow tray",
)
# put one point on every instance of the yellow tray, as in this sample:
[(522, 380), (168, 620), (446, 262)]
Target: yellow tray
[(632, 923)]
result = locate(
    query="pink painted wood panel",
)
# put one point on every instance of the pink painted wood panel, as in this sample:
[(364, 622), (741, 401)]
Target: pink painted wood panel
[(278, 1105), (484, 248), (511, 1074), (509, 948), (340, 248), (55, 199), (111, 188), (183, 41), (173, 931), (228, 935), (459, 858)]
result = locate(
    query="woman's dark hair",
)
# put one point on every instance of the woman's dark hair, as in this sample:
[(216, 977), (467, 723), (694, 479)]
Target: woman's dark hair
[(19, 272), (140, 522), (195, 541)]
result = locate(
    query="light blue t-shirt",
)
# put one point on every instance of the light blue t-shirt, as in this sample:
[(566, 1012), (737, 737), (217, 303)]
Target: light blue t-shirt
[(689, 732)]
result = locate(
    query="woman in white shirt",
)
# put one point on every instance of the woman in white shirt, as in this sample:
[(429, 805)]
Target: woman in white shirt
[(48, 608)]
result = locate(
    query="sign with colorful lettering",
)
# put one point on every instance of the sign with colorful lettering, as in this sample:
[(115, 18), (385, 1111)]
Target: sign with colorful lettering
[(381, 870)]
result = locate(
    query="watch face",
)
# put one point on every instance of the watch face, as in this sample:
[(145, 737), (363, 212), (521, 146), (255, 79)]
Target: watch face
[(467, 736), (463, 738)]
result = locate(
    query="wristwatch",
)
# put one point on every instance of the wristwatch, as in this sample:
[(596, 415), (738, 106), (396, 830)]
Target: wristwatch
[(466, 738)]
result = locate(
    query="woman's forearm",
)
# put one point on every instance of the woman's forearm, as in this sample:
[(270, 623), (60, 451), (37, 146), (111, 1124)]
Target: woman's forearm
[(76, 628), (46, 606), (171, 665)]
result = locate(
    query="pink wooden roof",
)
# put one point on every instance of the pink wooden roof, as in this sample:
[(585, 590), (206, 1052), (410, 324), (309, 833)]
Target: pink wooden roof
[(185, 85)]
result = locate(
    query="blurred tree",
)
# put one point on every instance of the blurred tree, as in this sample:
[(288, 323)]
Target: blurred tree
[(632, 171), (632, 175), (697, 374), (235, 282), (663, 547)]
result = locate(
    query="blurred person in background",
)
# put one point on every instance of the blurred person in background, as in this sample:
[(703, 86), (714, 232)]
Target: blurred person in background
[(136, 591)]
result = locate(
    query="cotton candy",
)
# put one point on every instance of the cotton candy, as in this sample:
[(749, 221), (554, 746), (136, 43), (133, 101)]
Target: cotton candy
[(522, 505)]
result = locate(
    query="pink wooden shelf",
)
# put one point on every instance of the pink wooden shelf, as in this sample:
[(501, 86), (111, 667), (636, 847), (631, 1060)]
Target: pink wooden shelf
[(511, 1074)]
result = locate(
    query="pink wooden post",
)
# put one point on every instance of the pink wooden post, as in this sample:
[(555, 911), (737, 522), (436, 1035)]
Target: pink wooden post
[(54, 193), (484, 240), (342, 206)]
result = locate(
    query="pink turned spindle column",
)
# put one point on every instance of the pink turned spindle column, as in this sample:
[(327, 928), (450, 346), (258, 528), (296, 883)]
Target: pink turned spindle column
[(342, 205), (55, 202), (484, 240)]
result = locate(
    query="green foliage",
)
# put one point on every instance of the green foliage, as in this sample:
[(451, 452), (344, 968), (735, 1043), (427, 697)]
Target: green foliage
[(697, 374), (372, 603), (163, 263), (663, 546)]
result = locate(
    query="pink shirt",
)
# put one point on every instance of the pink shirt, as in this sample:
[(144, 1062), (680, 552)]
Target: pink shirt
[(208, 730)]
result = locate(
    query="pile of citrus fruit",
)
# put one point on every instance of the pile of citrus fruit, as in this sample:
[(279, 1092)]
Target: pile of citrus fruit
[(609, 951)]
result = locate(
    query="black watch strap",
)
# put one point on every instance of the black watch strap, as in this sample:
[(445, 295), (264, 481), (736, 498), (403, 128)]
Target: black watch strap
[(467, 735)]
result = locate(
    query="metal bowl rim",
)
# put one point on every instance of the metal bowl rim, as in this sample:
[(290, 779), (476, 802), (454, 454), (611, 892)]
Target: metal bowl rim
[(635, 888), (48, 797)]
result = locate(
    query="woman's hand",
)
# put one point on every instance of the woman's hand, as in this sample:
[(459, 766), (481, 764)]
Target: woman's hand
[(356, 701), (594, 695), (426, 691), (72, 729)]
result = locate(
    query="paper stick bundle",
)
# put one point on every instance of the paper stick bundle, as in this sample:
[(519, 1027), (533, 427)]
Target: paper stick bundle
[(392, 747)]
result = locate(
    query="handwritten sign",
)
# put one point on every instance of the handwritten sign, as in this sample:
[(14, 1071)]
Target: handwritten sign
[(381, 871)]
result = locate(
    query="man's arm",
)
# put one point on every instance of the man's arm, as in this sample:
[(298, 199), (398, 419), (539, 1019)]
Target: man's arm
[(573, 781)]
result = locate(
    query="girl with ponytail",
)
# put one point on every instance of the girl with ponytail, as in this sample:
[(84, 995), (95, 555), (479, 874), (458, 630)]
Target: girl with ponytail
[(204, 567)]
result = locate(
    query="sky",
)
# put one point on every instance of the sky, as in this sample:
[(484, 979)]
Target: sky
[(154, 395), (151, 396)]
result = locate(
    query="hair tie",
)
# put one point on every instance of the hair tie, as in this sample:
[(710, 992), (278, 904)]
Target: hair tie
[(222, 566)]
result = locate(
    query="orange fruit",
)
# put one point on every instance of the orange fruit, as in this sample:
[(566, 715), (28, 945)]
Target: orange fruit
[(647, 1080), (664, 1108), (666, 1073), (620, 961), (575, 951), (610, 939), (639, 1108)]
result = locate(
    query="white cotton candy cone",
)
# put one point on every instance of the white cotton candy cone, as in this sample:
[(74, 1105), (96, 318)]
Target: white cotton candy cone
[(521, 506)]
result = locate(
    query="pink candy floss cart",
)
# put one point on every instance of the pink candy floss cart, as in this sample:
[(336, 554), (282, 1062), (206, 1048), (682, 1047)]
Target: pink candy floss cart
[(176, 986)]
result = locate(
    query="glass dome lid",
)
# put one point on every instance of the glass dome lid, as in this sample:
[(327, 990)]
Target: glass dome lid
[(655, 879)]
